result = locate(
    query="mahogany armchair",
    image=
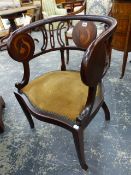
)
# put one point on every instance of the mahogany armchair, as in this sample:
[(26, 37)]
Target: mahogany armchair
[(66, 98)]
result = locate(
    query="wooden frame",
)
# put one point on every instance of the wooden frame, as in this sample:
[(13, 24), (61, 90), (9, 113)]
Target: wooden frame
[(94, 58)]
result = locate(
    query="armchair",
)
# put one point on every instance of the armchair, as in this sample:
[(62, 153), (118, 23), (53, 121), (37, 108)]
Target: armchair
[(66, 98), (50, 9)]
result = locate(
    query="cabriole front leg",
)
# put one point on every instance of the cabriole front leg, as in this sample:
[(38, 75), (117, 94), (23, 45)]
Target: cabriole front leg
[(25, 110), (79, 144)]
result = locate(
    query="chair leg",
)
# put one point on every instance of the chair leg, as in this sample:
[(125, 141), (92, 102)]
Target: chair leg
[(125, 56), (110, 53), (25, 110), (127, 43), (67, 51), (106, 111), (79, 144)]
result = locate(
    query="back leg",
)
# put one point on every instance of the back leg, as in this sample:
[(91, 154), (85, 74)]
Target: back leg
[(25, 110), (106, 111), (79, 144), (67, 51)]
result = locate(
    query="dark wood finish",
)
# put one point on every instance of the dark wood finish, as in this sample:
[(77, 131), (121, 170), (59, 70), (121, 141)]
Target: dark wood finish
[(2, 105), (121, 10), (94, 65), (84, 33)]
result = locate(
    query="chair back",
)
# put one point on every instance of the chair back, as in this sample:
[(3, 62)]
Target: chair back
[(21, 46), (96, 59), (49, 7)]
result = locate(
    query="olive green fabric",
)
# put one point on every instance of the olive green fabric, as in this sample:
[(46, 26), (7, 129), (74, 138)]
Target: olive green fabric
[(59, 92)]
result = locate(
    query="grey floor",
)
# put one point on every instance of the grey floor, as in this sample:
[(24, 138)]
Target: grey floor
[(48, 149)]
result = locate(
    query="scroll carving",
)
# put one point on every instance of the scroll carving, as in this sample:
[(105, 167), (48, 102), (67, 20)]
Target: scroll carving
[(59, 32)]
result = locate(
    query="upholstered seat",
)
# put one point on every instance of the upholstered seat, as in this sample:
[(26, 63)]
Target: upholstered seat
[(65, 86)]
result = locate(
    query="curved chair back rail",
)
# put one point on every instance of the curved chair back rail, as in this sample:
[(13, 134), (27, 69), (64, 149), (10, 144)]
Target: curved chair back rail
[(63, 22), (76, 96), (21, 45)]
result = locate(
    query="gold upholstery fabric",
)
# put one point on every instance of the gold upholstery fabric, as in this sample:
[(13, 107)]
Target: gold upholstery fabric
[(60, 92)]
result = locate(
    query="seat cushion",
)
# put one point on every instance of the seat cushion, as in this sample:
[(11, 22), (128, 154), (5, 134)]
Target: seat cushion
[(61, 93)]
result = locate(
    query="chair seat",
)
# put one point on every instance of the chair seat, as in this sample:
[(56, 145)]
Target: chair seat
[(52, 93)]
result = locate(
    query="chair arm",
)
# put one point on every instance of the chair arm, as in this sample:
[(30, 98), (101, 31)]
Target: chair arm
[(85, 116)]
